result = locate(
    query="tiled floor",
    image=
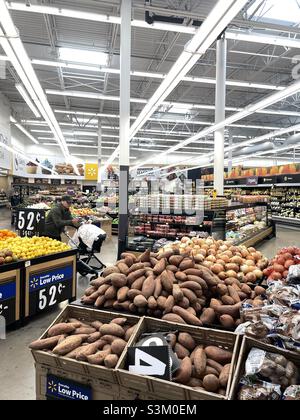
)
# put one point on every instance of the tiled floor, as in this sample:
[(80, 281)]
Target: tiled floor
[(17, 378)]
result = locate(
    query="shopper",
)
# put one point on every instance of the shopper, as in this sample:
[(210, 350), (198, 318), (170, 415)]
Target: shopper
[(59, 217)]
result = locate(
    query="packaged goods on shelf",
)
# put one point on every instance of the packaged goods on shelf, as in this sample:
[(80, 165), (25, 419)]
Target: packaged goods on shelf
[(3, 199)]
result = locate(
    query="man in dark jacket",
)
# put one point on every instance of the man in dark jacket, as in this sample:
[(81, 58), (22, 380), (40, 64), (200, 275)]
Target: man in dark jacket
[(58, 218)]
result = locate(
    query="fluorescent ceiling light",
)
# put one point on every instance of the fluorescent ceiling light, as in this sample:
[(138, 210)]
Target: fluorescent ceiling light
[(26, 98), (275, 11), (91, 95), (259, 38), (24, 131), (83, 56), (180, 110)]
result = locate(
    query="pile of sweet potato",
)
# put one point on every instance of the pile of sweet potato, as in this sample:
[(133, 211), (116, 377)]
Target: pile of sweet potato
[(205, 368), (93, 342), (172, 287)]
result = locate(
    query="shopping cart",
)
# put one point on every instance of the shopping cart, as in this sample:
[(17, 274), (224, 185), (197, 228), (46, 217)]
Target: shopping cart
[(87, 252)]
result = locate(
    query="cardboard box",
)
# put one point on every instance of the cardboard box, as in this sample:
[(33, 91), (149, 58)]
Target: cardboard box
[(162, 389)]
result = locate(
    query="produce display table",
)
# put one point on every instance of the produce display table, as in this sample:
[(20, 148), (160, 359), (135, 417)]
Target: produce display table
[(31, 287), (10, 292)]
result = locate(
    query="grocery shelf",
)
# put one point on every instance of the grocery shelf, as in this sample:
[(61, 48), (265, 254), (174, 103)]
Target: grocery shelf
[(287, 222), (256, 238)]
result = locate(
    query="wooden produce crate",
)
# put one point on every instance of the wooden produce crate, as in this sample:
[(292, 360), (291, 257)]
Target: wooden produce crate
[(161, 389), (55, 383), (75, 366), (246, 345)]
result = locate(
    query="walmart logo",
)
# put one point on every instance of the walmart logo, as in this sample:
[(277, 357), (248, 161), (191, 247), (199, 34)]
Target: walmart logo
[(91, 171), (52, 386), (34, 283)]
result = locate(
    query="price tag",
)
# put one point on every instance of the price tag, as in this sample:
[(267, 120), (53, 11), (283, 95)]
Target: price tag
[(27, 263), (64, 389), (150, 361), (49, 288), (30, 222)]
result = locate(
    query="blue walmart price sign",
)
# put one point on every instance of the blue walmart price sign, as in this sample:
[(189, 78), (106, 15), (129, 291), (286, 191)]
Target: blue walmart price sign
[(48, 288), (63, 389)]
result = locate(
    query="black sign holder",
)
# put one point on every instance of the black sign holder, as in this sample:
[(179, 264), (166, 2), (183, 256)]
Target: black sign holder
[(30, 222)]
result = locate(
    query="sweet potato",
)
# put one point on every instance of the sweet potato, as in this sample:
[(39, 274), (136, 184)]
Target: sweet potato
[(215, 303), (94, 337), (199, 361), (227, 321), (160, 267), (227, 300), (90, 290), (186, 263), (189, 318), (184, 303), (165, 255), (175, 260), (112, 329), (109, 303), (119, 321), (138, 283), (208, 316), (111, 293), (195, 383), (172, 268), (110, 270), (219, 355), (145, 257), (172, 339), (211, 383), (152, 304), (98, 358), (132, 293), (169, 304), (224, 375), (125, 255), (190, 295), (197, 279), (99, 282), (123, 267), (232, 310), (117, 279), (183, 374), (73, 354), (158, 287), (140, 301), (166, 281), (111, 361), (122, 293), (215, 365), (259, 290), (148, 287), (100, 301), (135, 275), (88, 350), (129, 332), (96, 324), (69, 344), (186, 340), (181, 351), (45, 344), (222, 289), (210, 278), (161, 302), (117, 346), (177, 293), (173, 318), (246, 289), (210, 371), (180, 276), (135, 267), (191, 310), (234, 294), (61, 328), (84, 330)]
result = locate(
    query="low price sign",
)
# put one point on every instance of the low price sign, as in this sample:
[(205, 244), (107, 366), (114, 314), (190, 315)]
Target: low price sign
[(8, 302), (49, 288), (30, 222), (63, 389)]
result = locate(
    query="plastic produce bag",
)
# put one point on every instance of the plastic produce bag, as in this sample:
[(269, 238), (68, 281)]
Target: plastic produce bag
[(292, 393), (294, 275), (271, 367), (258, 390), (284, 295)]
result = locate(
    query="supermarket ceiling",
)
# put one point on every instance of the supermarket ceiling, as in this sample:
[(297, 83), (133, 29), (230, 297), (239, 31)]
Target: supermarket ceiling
[(76, 59)]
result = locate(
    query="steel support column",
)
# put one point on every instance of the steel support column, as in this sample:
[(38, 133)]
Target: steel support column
[(99, 154), (220, 101), (125, 61)]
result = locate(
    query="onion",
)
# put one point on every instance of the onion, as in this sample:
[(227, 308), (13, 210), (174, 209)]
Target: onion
[(223, 248), (279, 268), (231, 273), (225, 258), (250, 277), (251, 249), (241, 277), (211, 258), (228, 253), (250, 262), (245, 269), (217, 268), (202, 252), (208, 264), (258, 274), (219, 261), (222, 275), (233, 267), (212, 251), (237, 260), (276, 276), (210, 241)]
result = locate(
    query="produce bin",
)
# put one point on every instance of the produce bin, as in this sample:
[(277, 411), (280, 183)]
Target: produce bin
[(11, 293), (160, 389), (246, 345), (74, 366), (49, 280)]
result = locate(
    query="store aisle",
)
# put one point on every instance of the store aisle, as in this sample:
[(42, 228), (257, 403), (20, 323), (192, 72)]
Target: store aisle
[(284, 238)]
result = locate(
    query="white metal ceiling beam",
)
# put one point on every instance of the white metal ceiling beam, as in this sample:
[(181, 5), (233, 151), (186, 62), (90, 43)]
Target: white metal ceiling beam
[(255, 37)]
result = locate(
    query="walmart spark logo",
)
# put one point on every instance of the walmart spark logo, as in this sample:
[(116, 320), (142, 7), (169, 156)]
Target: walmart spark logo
[(34, 283), (52, 386), (91, 171)]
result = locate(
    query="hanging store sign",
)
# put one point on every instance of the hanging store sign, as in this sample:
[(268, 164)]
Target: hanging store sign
[(91, 171)]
